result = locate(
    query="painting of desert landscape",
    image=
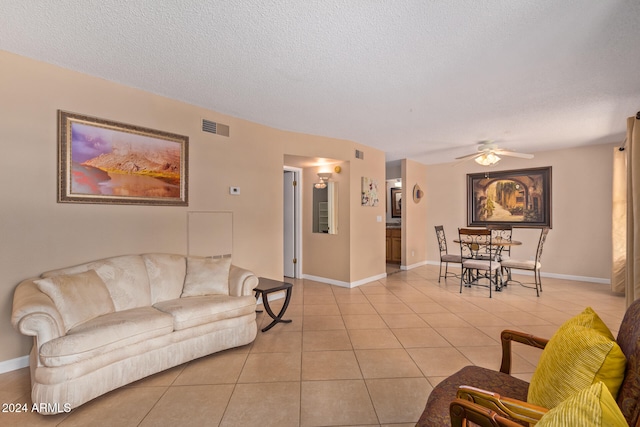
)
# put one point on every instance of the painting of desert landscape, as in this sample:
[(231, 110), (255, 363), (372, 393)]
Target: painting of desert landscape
[(119, 165), (519, 197)]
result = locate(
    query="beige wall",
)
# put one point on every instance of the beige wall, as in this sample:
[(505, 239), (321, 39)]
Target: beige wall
[(579, 244), (326, 255), (414, 215), (38, 234), (367, 227)]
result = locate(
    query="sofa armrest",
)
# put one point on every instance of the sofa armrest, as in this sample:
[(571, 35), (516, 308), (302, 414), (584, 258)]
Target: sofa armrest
[(461, 411), (241, 281), (34, 313), (504, 406), (507, 336)]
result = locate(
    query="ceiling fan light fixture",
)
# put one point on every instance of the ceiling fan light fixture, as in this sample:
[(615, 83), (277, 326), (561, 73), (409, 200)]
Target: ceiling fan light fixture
[(487, 159)]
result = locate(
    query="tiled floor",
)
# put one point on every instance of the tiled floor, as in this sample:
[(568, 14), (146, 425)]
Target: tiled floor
[(367, 356)]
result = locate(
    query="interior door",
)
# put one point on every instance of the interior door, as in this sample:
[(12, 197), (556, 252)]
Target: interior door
[(289, 224)]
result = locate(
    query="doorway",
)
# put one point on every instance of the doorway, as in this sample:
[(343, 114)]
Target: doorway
[(292, 234)]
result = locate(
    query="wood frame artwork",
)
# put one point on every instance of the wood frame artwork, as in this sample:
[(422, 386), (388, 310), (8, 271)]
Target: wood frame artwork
[(396, 203), (520, 198)]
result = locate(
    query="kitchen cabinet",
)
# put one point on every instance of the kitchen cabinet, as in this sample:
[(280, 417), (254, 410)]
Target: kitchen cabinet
[(394, 245)]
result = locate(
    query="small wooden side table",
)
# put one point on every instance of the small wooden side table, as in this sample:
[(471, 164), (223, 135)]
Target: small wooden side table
[(266, 287)]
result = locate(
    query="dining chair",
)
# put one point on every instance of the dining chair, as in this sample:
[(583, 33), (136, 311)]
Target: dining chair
[(474, 242), (502, 232), (445, 256), (528, 265)]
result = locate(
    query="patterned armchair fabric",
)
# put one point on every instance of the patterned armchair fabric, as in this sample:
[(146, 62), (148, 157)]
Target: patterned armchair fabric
[(436, 412), (628, 337)]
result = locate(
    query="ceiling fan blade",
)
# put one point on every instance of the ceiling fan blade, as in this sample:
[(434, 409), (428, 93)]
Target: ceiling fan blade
[(513, 154), (469, 156)]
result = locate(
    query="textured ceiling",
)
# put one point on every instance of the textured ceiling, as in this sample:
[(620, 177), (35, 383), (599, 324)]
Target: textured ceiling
[(424, 80)]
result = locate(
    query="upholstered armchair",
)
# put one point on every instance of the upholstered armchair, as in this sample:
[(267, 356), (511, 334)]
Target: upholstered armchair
[(495, 398), (500, 383)]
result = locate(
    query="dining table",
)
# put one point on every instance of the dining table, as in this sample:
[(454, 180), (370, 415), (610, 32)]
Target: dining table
[(499, 244)]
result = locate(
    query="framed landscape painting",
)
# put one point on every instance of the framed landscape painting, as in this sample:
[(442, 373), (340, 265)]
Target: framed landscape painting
[(101, 161), (520, 198)]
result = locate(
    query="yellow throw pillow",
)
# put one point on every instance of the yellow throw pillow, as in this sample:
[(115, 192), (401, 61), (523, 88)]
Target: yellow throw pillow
[(580, 353), (590, 319), (593, 406)]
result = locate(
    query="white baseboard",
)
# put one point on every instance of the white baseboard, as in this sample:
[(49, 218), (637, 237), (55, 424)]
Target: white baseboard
[(344, 284), (14, 364), (601, 280), (416, 265), (368, 280)]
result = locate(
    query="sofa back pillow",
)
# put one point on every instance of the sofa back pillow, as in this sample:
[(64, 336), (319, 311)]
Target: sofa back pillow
[(78, 297), (206, 276), (125, 276), (582, 352), (166, 275)]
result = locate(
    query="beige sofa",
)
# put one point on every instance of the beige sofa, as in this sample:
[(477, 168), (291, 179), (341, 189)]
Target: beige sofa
[(107, 323)]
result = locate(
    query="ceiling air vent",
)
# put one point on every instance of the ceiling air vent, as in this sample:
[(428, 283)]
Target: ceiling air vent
[(359, 154), (216, 128)]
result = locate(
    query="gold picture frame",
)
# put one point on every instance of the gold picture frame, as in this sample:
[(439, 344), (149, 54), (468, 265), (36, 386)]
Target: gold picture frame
[(102, 161)]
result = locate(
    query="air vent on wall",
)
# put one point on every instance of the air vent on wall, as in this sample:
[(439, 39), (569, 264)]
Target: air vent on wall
[(216, 128), (359, 154)]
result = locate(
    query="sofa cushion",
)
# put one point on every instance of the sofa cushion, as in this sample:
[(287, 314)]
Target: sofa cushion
[(125, 276), (206, 276), (166, 275), (593, 406), (575, 357), (78, 297), (106, 333), (194, 311)]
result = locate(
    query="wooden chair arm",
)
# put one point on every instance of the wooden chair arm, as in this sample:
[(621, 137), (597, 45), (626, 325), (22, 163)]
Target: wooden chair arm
[(507, 336), (504, 406), (462, 411)]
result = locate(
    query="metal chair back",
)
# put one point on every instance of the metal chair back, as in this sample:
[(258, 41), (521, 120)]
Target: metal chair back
[(473, 242), (502, 232), (543, 238), (442, 239), (445, 256)]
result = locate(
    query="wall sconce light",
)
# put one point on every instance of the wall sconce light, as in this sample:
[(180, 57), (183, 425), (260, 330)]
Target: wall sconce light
[(324, 177)]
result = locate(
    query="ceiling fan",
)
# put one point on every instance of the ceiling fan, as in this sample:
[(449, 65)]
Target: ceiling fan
[(488, 154)]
